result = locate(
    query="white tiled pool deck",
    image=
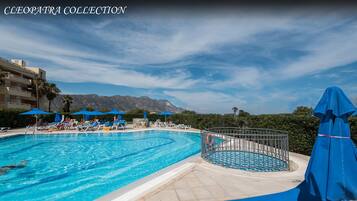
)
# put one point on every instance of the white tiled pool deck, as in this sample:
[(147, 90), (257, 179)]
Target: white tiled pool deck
[(213, 183)]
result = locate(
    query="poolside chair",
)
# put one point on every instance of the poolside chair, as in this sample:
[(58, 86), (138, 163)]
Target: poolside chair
[(119, 124), (115, 125), (105, 124), (83, 126), (93, 126), (4, 129)]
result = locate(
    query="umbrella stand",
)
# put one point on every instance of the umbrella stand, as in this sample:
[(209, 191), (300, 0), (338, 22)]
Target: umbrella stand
[(36, 117)]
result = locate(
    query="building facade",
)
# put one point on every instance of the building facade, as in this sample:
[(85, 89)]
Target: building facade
[(15, 86)]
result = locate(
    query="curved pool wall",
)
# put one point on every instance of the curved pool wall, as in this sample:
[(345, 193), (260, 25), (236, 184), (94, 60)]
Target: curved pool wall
[(87, 166), (250, 149)]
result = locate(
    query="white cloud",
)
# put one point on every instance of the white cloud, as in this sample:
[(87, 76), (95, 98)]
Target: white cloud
[(70, 64), (207, 101), (120, 50), (329, 50)]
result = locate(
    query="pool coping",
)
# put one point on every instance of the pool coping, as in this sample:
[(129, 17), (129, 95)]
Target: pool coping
[(152, 182), (4, 135)]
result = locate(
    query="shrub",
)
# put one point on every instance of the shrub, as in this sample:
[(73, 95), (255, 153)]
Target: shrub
[(302, 129)]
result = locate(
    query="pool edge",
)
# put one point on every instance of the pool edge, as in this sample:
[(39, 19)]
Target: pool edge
[(152, 182)]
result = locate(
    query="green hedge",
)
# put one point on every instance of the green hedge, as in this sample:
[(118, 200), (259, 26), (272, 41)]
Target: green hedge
[(302, 129)]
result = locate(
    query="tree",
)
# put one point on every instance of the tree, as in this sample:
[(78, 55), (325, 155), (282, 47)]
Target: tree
[(67, 101), (2, 77), (303, 111), (136, 111), (235, 110), (243, 113), (188, 112), (37, 88), (51, 91)]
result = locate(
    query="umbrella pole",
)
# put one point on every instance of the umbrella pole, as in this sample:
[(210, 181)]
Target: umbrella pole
[(36, 123)]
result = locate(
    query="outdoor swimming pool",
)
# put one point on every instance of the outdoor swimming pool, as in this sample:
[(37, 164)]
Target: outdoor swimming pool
[(87, 166)]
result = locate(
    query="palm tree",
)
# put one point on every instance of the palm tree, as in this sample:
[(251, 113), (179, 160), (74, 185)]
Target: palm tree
[(51, 92), (235, 109), (38, 89), (67, 101), (2, 77)]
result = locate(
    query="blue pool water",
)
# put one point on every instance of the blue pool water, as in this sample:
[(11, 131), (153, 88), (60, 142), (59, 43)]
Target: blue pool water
[(247, 161), (87, 166)]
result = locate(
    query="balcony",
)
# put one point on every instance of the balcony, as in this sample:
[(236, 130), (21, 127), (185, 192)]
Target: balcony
[(17, 91), (18, 106), (19, 79)]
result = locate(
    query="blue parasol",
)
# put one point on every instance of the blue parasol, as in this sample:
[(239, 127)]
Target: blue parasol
[(331, 173), (95, 113), (145, 115), (116, 112), (166, 113), (58, 117), (35, 112), (83, 112)]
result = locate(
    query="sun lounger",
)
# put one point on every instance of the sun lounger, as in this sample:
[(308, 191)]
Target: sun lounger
[(119, 124), (4, 129)]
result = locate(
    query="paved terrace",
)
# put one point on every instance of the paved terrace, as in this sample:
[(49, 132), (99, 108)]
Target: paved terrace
[(214, 183)]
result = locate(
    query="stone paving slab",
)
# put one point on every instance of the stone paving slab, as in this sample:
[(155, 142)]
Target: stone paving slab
[(213, 183)]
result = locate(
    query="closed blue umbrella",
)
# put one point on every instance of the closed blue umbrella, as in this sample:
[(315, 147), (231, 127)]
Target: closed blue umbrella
[(331, 173), (145, 115), (58, 117), (35, 112)]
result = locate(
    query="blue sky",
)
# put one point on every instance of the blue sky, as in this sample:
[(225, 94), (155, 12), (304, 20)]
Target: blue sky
[(260, 61)]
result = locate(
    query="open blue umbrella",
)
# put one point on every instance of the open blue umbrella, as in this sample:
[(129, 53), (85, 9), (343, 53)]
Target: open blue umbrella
[(331, 173), (84, 112), (116, 112), (35, 112), (81, 112), (95, 113), (166, 113)]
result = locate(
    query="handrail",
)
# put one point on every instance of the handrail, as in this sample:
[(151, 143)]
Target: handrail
[(255, 149)]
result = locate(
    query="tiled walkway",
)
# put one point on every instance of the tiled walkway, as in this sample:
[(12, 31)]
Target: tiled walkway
[(212, 183)]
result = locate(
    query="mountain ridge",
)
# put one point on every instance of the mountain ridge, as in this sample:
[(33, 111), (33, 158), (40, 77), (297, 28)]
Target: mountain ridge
[(125, 103)]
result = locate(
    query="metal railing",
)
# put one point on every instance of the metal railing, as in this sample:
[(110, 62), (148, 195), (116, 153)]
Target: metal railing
[(250, 149)]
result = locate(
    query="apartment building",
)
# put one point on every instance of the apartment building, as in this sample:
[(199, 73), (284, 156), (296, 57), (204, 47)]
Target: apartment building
[(15, 86)]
